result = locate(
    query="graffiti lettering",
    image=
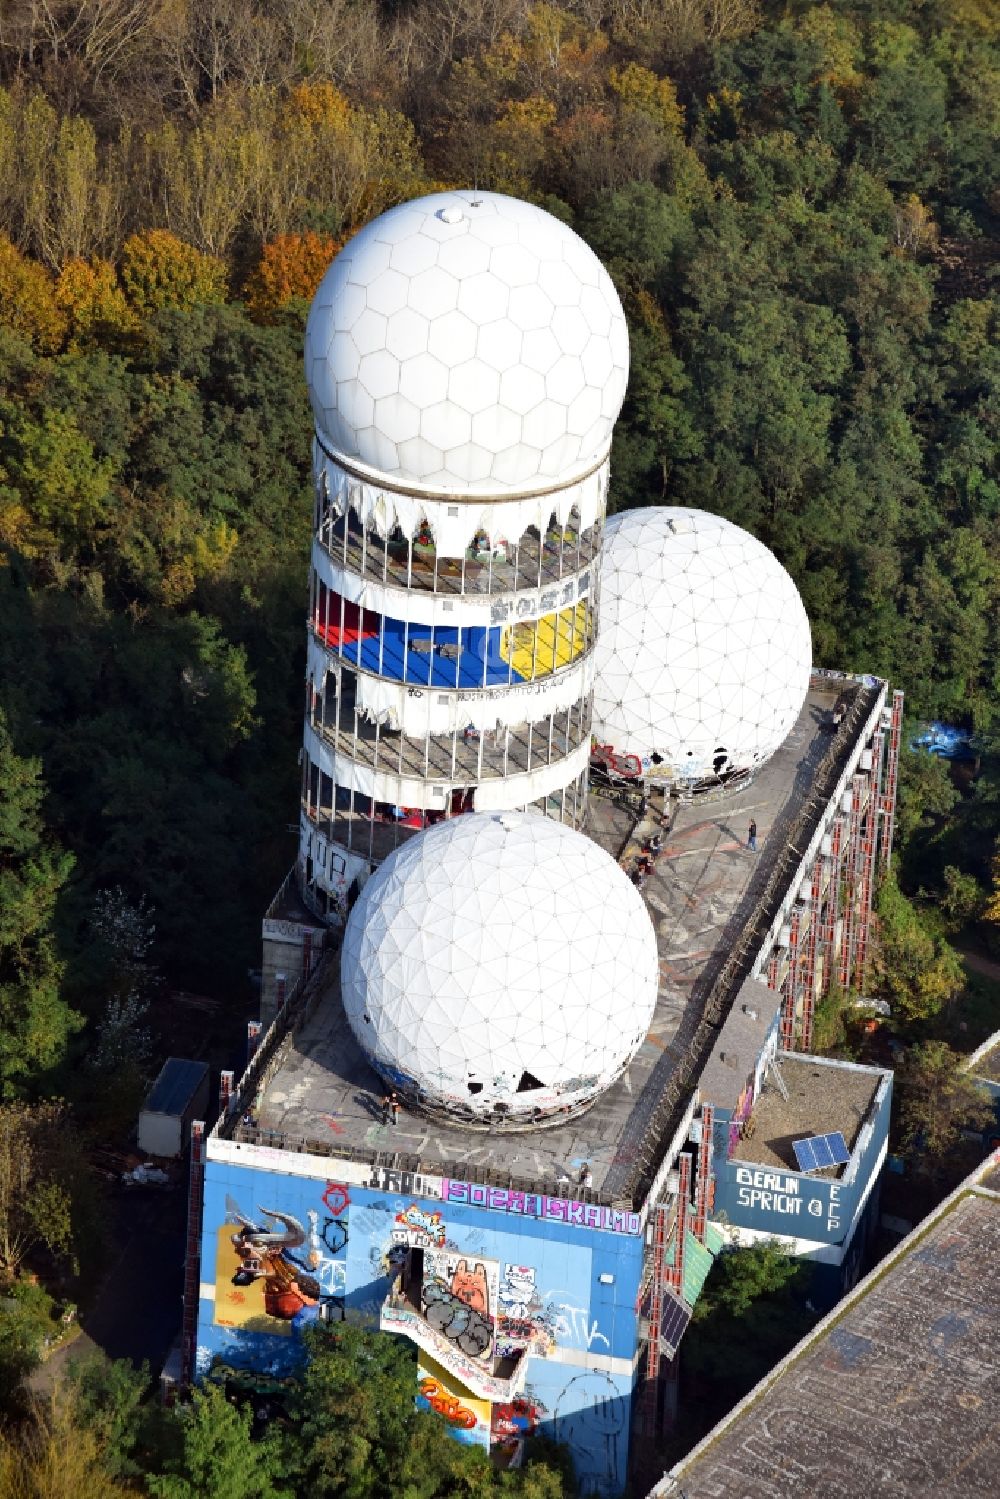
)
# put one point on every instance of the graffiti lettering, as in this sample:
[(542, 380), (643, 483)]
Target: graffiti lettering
[(461, 1324), (419, 1228), (516, 1418), (405, 1183), (337, 1198), (768, 1202), (448, 1406), (571, 1323), (770, 1181), (536, 1205), (517, 1291)]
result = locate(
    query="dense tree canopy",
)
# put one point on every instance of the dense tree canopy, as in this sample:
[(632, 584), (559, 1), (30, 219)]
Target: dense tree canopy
[(345, 1428)]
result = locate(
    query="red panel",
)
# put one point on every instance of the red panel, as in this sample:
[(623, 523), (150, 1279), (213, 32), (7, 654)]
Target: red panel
[(358, 624)]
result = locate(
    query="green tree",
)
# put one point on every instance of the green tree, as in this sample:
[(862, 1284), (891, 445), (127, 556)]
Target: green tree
[(926, 792), (961, 899), (63, 488), (35, 1021), (26, 1320), (110, 1400), (914, 969), (360, 1434), (217, 1457), (935, 1100), (750, 1313), (830, 1019), (43, 1185), (740, 1277)]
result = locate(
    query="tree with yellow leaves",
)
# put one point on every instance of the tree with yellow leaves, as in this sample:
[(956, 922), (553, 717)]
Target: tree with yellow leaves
[(28, 301), (56, 1454), (640, 89), (159, 270), (89, 295)]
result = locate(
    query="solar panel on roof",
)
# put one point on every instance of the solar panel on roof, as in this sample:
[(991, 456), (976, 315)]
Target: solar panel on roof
[(674, 1318), (805, 1156), (820, 1151), (838, 1145), (821, 1147)]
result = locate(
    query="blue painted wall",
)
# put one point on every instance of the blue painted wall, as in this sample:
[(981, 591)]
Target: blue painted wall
[(775, 1201), (354, 1235)]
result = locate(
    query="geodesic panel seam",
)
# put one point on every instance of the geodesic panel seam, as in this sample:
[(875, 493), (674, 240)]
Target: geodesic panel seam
[(467, 340), (502, 963), (703, 648)]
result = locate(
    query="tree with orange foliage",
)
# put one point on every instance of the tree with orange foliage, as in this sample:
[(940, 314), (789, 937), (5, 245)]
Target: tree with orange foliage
[(290, 269), (160, 270), (28, 299)]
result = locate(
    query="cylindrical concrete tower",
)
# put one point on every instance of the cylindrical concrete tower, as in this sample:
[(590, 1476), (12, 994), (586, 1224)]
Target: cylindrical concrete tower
[(467, 357)]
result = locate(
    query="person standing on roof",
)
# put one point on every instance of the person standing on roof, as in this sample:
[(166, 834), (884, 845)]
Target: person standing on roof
[(390, 1109)]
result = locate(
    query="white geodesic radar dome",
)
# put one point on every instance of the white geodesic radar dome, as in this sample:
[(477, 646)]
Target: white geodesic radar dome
[(500, 965), (467, 342), (703, 647)]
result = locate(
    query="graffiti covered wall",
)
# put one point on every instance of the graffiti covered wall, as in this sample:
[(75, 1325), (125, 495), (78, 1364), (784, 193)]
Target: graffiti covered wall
[(281, 1251), (468, 1419)]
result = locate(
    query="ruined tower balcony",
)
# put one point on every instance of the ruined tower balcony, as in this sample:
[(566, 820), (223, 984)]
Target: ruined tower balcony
[(487, 1378)]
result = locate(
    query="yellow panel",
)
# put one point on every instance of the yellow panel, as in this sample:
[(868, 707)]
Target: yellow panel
[(541, 646)]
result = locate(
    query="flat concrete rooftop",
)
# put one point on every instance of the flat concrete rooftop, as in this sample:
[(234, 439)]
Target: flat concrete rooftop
[(707, 888), (893, 1394), (821, 1099)]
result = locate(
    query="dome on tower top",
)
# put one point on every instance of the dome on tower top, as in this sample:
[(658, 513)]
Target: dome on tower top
[(703, 648), (500, 967), (467, 342)]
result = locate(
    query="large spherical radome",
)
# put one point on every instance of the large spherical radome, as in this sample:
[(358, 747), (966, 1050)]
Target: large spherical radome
[(703, 649), (467, 342), (500, 967)]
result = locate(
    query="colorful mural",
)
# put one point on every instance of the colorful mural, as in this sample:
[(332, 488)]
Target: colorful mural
[(447, 656), (273, 1275), (523, 1319), (468, 1418), (417, 1228), (494, 1276), (458, 1297)]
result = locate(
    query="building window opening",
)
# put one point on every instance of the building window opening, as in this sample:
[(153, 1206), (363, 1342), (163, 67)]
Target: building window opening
[(475, 1087), (528, 1083)]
